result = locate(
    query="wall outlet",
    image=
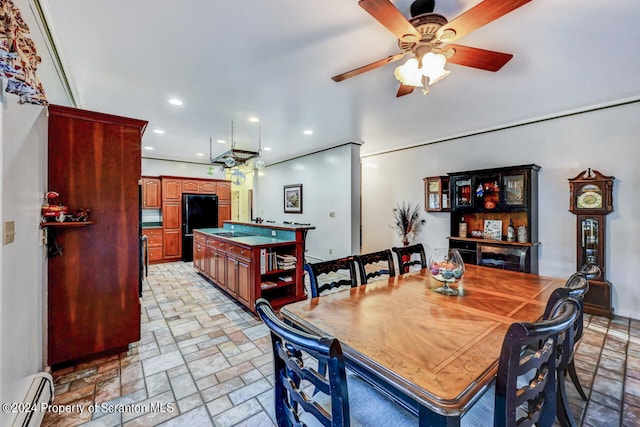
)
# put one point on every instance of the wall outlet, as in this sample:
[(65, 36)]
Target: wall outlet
[(233, 227), (9, 232), (330, 251), (273, 233)]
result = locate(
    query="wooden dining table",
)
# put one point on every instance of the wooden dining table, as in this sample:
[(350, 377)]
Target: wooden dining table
[(432, 353)]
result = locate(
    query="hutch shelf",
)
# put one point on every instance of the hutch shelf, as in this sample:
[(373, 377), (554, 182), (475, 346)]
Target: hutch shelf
[(484, 203)]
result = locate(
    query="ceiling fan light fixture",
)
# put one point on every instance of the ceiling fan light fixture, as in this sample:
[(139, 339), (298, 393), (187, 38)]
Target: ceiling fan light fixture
[(409, 74), (433, 67)]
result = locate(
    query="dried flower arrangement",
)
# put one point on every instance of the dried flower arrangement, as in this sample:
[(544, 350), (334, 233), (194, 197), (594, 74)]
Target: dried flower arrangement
[(407, 222)]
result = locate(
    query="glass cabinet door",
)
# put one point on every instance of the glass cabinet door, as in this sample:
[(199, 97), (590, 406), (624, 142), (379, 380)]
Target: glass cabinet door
[(462, 197), (514, 190)]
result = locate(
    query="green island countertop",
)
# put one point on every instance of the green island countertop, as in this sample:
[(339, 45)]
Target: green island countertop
[(244, 237)]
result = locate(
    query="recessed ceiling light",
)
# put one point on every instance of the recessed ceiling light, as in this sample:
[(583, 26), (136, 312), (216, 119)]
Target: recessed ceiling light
[(175, 101), (148, 147), (254, 119), (308, 132), (266, 148), (159, 131), (221, 141), (200, 154)]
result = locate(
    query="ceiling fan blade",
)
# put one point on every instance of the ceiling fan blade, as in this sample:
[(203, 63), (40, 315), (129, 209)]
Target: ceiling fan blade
[(477, 58), (404, 90), (368, 67), (479, 15), (388, 15)]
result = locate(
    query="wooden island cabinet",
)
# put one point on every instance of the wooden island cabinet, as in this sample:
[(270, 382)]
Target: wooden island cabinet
[(251, 261)]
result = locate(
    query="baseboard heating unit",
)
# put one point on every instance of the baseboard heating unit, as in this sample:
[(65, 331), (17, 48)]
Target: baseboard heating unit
[(40, 394)]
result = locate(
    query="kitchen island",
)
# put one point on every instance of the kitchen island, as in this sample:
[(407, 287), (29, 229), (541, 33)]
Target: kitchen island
[(252, 260)]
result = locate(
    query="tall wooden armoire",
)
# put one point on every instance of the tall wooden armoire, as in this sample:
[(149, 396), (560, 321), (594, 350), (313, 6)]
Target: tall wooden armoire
[(93, 286)]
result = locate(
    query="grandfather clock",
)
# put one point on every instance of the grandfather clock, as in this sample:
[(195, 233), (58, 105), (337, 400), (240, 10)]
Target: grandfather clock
[(591, 200)]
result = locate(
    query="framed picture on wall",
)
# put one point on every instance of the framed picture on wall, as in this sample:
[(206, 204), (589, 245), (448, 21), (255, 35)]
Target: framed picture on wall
[(293, 198)]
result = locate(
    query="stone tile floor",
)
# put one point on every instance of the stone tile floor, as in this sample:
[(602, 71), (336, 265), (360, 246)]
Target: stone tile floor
[(203, 360)]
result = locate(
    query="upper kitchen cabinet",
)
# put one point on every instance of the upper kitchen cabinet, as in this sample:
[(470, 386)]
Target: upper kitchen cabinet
[(94, 162), (171, 189), (151, 193)]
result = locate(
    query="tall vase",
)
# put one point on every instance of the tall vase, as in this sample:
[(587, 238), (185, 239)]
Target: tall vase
[(405, 257)]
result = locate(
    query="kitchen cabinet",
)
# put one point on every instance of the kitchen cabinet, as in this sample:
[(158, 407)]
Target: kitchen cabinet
[(172, 190), (486, 201), (151, 193), (224, 191), (199, 186), (199, 252), (93, 306), (154, 244), (224, 212), (172, 230)]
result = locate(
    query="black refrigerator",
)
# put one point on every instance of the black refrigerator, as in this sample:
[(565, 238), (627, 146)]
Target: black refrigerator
[(198, 211)]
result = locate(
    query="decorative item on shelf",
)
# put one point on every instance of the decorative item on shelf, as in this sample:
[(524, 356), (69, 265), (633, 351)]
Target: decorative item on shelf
[(476, 233), (511, 231), (53, 210), (493, 229), (462, 229), (407, 222), (522, 234), (446, 266)]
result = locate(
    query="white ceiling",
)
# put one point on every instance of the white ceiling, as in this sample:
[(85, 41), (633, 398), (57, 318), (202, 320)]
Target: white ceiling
[(229, 60)]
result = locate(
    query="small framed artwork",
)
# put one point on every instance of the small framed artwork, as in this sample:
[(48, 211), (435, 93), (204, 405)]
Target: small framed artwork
[(493, 229), (293, 198)]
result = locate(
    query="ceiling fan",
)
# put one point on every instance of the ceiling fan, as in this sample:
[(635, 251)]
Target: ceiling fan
[(425, 37)]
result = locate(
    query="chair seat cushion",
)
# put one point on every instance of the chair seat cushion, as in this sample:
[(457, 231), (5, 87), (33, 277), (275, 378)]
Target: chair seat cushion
[(367, 407)]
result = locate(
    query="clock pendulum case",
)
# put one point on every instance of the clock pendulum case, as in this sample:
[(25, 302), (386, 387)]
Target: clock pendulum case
[(591, 200)]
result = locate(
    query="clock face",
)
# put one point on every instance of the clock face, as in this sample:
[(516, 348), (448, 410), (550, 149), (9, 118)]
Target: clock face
[(589, 200)]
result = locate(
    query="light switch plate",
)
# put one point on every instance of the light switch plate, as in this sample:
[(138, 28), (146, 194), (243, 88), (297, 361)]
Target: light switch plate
[(9, 232)]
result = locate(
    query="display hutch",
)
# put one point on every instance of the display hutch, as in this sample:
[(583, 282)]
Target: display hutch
[(484, 203)]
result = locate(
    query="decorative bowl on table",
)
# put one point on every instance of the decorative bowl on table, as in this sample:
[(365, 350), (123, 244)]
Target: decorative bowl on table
[(446, 266)]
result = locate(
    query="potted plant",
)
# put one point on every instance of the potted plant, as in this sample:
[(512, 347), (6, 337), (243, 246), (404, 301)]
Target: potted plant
[(407, 222)]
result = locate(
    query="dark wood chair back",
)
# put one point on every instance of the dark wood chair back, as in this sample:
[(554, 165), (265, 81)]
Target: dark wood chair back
[(590, 270), (382, 261), (404, 256), (292, 376), (536, 396), (327, 275), (578, 285)]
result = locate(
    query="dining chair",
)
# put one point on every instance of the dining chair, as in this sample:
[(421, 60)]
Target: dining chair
[(525, 388), (579, 285), (591, 270), (342, 399), (377, 263), (327, 275), (404, 255)]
